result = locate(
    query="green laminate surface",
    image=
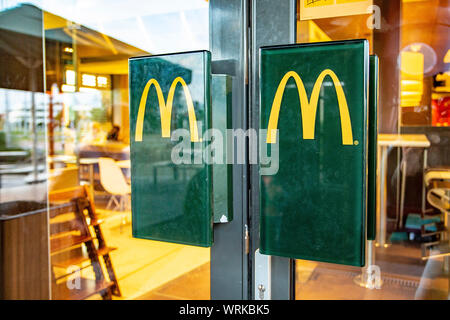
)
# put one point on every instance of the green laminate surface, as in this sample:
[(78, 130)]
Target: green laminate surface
[(372, 153), (314, 207), (171, 202)]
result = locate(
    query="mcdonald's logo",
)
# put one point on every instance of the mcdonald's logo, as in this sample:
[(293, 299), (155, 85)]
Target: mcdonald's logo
[(165, 109), (309, 107)]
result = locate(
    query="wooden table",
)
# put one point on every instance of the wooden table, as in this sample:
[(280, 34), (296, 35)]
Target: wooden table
[(88, 162), (124, 164), (385, 143), (61, 158)]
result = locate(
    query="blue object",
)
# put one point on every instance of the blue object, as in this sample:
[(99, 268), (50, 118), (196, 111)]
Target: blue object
[(415, 221), (399, 236)]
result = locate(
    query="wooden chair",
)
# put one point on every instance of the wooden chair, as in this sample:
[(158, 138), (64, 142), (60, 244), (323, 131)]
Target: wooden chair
[(75, 239)]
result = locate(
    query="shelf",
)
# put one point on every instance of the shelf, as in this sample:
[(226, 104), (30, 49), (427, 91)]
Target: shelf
[(65, 242), (62, 276), (69, 224), (77, 257), (88, 287), (59, 209), (60, 228)]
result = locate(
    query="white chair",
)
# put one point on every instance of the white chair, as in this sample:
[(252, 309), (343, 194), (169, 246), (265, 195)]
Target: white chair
[(113, 181), (438, 182), (438, 195)]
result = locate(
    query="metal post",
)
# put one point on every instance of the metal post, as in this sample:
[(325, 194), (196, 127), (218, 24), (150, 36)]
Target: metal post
[(397, 184), (34, 155), (370, 277), (228, 25), (425, 162), (379, 195), (237, 30), (383, 215), (402, 192), (272, 22)]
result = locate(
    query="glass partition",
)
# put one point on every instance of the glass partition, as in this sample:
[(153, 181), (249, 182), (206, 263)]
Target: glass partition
[(409, 259), (65, 216), (23, 184), (64, 128)]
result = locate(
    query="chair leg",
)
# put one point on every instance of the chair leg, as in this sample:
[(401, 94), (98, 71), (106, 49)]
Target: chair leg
[(123, 199), (117, 203), (128, 202), (109, 202)]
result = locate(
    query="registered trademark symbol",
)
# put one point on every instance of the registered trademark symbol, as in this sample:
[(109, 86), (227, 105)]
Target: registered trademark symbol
[(356, 142)]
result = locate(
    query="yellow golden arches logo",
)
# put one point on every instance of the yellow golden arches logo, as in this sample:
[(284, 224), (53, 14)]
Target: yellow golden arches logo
[(165, 109), (309, 108)]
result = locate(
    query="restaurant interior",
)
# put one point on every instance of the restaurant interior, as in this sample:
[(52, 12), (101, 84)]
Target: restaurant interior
[(64, 135), (80, 145)]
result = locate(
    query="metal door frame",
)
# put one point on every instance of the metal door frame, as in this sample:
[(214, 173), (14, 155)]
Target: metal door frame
[(237, 29)]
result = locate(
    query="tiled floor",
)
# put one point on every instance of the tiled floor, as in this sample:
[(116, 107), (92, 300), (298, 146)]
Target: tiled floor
[(194, 285), (405, 277), (160, 271), (143, 265)]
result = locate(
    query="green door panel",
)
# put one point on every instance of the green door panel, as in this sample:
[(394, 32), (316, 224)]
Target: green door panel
[(172, 201), (314, 207)]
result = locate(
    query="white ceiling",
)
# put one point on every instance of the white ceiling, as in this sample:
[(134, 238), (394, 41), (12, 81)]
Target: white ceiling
[(155, 26)]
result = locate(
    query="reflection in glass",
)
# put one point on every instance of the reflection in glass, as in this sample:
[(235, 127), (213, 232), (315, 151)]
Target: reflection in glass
[(411, 249), (171, 202), (63, 108), (23, 184)]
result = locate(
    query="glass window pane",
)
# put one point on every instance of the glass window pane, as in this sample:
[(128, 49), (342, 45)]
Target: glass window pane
[(23, 184), (64, 125), (409, 259)]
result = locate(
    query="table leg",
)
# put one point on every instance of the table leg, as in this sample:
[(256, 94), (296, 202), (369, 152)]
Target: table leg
[(425, 160), (379, 193), (91, 178), (398, 185), (402, 194), (383, 197), (446, 262), (370, 277)]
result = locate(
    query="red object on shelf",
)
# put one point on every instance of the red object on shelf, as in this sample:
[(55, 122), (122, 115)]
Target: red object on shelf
[(440, 111)]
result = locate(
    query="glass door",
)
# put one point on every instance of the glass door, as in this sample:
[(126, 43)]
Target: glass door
[(409, 257), (65, 135)]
